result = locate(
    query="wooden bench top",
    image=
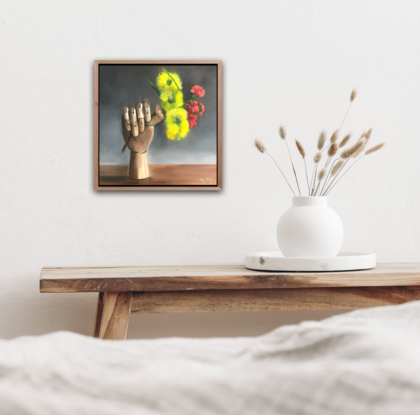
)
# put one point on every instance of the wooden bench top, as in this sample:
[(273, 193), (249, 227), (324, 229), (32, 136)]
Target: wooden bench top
[(217, 277)]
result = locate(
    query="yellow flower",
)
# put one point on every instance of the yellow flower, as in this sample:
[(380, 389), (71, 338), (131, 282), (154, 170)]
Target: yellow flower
[(184, 128), (170, 100), (172, 131), (176, 122), (166, 83)]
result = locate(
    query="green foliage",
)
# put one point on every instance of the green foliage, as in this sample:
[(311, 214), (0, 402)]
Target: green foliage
[(155, 87), (170, 76)]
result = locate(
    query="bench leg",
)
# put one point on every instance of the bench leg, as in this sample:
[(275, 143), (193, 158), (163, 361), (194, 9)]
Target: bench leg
[(99, 311), (113, 315)]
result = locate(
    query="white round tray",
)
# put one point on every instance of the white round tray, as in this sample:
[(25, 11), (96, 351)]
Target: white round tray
[(344, 261)]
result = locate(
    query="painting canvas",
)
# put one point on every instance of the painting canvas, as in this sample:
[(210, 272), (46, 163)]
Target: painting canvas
[(158, 125)]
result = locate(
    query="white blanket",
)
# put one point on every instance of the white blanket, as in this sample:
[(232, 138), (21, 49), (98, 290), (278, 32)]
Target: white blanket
[(363, 362)]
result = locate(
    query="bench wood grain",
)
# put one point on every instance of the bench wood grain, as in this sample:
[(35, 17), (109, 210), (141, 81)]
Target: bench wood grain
[(168, 289), (217, 277), (269, 300)]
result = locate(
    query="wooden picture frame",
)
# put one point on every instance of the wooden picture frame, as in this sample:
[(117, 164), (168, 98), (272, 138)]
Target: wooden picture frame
[(163, 176)]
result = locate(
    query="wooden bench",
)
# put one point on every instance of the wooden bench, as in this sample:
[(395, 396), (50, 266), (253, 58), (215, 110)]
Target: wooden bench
[(171, 289)]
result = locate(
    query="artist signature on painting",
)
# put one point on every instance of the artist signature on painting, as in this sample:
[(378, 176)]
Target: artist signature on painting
[(206, 181)]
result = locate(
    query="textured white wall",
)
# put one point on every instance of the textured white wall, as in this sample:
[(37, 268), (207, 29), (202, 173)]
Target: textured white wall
[(288, 62)]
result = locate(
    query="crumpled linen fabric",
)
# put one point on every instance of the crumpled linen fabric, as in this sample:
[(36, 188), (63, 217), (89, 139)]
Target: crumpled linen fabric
[(362, 362)]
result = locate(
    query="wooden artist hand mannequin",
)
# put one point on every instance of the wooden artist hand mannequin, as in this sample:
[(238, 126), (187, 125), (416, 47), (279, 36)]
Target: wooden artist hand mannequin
[(137, 130)]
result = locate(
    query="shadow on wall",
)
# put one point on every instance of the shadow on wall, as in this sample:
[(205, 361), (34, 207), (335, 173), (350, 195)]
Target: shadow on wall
[(218, 324)]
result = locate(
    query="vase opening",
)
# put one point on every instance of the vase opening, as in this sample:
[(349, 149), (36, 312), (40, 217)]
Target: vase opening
[(309, 201)]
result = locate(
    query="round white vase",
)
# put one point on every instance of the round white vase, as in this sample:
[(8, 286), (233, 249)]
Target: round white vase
[(310, 229)]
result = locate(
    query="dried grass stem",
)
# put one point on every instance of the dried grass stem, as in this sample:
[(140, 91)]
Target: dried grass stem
[(261, 148)]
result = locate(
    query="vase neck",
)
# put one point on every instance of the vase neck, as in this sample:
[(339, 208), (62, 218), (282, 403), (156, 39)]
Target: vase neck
[(309, 201)]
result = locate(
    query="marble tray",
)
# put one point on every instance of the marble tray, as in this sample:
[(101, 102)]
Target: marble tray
[(344, 261)]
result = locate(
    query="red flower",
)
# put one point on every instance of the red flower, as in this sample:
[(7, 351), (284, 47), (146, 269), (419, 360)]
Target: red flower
[(194, 104), (198, 91), (192, 120), (192, 107), (202, 109)]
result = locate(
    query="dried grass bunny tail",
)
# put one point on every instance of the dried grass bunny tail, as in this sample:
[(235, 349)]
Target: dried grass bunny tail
[(368, 134), (321, 174), (321, 141), (332, 150), (334, 137), (344, 141), (350, 151), (317, 157), (282, 133), (260, 146), (352, 97), (302, 153), (373, 149), (356, 154), (337, 166), (300, 148)]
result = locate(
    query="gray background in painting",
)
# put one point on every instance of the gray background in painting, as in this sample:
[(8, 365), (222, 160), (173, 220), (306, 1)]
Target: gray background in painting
[(126, 85)]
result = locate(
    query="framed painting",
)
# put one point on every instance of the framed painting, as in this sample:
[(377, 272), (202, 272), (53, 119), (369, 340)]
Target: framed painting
[(158, 125)]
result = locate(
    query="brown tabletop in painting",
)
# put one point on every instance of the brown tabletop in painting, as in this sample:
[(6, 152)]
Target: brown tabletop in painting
[(160, 175), (170, 289)]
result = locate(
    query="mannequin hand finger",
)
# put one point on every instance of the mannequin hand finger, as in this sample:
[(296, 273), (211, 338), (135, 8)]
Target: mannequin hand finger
[(134, 125), (140, 115), (159, 112), (126, 134), (158, 117), (147, 112), (126, 118)]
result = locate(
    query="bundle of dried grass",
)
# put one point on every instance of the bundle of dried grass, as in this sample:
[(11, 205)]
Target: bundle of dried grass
[(327, 178)]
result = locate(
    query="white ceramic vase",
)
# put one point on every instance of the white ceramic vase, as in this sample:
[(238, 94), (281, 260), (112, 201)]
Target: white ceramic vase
[(310, 229)]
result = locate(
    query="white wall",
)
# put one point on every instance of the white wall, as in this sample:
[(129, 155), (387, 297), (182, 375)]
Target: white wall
[(285, 62)]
